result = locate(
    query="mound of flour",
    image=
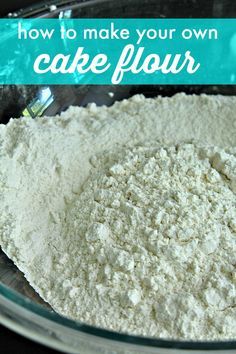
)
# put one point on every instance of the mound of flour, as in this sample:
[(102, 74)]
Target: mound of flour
[(153, 235), (111, 230)]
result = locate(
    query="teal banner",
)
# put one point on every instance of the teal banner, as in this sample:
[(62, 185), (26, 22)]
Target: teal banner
[(118, 51)]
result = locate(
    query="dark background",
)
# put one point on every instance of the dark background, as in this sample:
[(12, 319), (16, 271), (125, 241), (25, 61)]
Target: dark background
[(12, 343), (13, 5)]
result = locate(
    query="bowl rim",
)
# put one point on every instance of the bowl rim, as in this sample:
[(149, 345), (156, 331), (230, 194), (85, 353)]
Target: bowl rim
[(28, 305), (39, 10)]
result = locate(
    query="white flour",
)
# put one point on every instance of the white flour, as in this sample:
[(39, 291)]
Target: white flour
[(152, 235)]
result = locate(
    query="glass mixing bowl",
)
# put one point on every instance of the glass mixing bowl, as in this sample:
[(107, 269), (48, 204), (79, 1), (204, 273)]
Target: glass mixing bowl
[(21, 309)]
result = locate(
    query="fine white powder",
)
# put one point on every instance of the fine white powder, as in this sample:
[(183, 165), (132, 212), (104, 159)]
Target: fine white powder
[(120, 233)]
